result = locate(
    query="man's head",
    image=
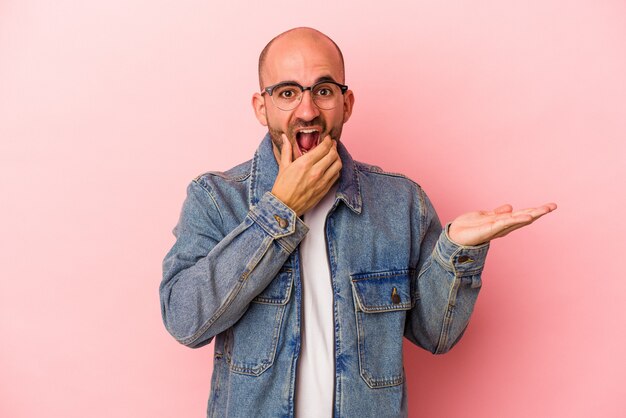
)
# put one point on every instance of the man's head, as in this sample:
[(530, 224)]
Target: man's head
[(304, 56)]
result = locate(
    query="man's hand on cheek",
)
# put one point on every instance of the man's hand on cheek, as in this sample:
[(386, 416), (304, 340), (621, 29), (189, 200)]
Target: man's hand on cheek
[(303, 182)]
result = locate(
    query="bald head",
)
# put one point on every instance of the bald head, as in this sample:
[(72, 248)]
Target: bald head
[(292, 38), (304, 57)]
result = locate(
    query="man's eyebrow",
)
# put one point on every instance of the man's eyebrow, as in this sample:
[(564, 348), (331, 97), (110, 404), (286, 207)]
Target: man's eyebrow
[(325, 78), (288, 82), (318, 80)]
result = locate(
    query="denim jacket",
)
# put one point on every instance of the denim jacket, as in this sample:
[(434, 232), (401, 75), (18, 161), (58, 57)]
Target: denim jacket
[(234, 274)]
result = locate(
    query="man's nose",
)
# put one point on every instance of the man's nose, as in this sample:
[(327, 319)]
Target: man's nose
[(307, 109)]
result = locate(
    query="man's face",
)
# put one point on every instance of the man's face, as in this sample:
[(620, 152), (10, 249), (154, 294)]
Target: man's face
[(306, 60)]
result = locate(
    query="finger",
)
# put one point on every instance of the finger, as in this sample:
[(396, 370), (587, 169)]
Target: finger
[(547, 208), (319, 151), (540, 210), (507, 223), (321, 178), (505, 227), (510, 222), (533, 213), (328, 159), (328, 178), (286, 156), (536, 212), (331, 177), (334, 170), (503, 209), (506, 208), (334, 179)]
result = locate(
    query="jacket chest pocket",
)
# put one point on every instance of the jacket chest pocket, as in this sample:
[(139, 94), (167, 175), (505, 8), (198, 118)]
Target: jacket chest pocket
[(381, 302), (251, 343)]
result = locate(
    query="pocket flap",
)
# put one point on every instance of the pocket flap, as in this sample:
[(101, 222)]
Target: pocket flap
[(383, 291), (279, 289)]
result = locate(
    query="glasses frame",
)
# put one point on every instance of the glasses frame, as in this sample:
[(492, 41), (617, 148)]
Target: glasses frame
[(270, 90)]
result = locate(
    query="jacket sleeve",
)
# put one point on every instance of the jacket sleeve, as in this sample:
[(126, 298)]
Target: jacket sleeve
[(210, 278), (445, 286)]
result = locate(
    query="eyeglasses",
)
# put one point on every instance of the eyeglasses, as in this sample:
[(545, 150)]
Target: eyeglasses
[(288, 95)]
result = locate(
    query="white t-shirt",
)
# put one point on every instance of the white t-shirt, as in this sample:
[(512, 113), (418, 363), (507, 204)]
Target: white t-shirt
[(316, 366)]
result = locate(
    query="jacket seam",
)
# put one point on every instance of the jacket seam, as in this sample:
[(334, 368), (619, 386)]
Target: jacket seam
[(213, 199), (233, 294), (449, 312), (367, 168)]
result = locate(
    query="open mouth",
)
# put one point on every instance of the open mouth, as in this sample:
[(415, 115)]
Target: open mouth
[(307, 139)]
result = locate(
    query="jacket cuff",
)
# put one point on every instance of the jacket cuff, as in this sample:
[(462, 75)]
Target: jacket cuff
[(279, 221), (465, 260)]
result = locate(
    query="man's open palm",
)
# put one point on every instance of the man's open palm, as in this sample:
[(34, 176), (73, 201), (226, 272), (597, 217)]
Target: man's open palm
[(475, 228)]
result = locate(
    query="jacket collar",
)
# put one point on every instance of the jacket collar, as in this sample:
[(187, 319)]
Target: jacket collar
[(265, 169)]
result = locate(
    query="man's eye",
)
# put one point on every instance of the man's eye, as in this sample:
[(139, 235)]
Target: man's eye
[(287, 94), (324, 91)]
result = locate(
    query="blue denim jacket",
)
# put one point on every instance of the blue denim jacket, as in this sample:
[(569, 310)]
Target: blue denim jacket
[(234, 274)]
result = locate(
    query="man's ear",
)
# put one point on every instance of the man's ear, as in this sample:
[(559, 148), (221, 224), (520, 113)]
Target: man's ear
[(258, 104), (348, 102)]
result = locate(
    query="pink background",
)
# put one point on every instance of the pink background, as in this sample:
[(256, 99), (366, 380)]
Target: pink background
[(109, 109)]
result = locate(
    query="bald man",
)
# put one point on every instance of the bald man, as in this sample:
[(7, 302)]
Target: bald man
[(308, 267)]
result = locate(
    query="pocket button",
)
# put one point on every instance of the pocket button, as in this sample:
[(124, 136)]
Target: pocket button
[(395, 297)]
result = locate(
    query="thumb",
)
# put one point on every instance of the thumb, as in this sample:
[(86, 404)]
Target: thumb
[(285, 152), (503, 209)]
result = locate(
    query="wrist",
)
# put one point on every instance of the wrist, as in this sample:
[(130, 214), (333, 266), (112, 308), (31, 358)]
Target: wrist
[(285, 201)]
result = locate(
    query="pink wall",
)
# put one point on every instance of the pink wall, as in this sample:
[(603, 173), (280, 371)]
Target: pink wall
[(108, 109)]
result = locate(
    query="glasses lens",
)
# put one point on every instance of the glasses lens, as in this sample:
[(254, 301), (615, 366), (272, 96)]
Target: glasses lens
[(326, 95), (287, 96)]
